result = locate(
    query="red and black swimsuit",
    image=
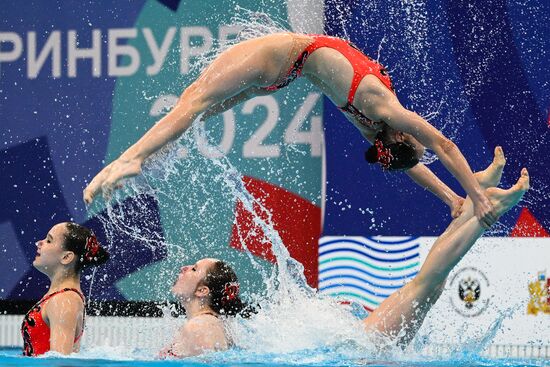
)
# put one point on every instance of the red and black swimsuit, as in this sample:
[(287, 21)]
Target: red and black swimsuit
[(35, 331), (362, 65)]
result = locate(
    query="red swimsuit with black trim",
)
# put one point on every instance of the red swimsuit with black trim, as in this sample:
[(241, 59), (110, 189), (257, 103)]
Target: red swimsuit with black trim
[(35, 331), (362, 65)]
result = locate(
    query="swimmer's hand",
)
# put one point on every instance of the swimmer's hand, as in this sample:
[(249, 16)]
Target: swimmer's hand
[(109, 178), (456, 206), (484, 211)]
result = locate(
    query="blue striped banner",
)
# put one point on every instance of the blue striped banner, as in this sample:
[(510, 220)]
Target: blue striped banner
[(366, 269)]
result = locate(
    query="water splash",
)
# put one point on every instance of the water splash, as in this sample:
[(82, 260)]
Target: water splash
[(250, 24), (293, 323)]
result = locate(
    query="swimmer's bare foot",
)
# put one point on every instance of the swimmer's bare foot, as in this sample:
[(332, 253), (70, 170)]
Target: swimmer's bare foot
[(491, 176), (504, 200)]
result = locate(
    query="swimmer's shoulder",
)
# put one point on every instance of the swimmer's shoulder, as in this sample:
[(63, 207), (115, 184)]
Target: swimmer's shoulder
[(200, 334), (65, 305), (203, 322)]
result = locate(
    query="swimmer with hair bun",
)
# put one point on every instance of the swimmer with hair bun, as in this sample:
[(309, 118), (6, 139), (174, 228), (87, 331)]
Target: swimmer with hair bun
[(56, 322), (401, 315), (209, 291), (360, 87)]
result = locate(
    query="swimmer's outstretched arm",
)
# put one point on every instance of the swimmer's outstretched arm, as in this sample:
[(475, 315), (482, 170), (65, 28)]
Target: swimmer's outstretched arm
[(388, 109), (426, 179), (129, 164), (402, 314), (233, 72)]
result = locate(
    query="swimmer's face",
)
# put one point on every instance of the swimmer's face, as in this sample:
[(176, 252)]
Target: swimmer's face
[(188, 284), (50, 253)]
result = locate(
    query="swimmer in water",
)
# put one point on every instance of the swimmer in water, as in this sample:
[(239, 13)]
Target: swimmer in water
[(359, 85), (209, 293), (401, 315), (209, 289), (56, 322)]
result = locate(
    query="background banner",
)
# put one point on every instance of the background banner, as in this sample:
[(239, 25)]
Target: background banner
[(79, 83), (479, 72)]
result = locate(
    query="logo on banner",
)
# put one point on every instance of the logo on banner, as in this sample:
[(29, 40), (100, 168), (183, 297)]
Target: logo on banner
[(470, 292), (366, 270), (539, 295)]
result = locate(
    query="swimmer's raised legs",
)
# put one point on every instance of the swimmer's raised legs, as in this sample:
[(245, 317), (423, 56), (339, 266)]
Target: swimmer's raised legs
[(490, 177), (402, 314)]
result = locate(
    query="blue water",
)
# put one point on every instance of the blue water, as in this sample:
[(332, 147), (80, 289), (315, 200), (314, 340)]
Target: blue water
[(12, 357)]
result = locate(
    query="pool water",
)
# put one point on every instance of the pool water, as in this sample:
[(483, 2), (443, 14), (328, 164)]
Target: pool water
[(318, 357)]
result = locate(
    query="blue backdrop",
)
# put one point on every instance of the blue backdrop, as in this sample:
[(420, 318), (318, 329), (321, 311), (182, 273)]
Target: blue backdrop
[(480, 68)]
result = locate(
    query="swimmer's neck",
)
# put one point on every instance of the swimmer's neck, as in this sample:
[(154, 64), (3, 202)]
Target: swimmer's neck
[(196, 307), (63, 278)]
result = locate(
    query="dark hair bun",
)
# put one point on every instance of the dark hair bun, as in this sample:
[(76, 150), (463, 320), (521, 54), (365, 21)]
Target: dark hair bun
[(99, 258), (224, 290), (371, 155), (83, 242), (404, 156)]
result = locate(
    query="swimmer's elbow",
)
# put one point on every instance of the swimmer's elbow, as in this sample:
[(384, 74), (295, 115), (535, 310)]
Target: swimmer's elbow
[(446, 146)]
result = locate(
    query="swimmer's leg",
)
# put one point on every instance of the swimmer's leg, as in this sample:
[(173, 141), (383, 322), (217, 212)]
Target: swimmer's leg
[(234, 101), (490, 177), (247, 65), (238, 69), (401, 314), (486, 178)]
